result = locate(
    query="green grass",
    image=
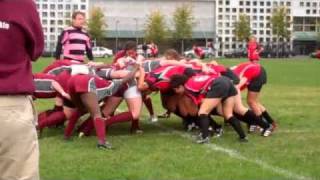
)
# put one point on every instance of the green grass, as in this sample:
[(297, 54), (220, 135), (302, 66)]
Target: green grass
[(165, 151)]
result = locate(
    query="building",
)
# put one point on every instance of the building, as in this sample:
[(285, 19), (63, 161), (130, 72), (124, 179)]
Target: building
[(55, 16), (126, 18), (302, 13), (214, 20)]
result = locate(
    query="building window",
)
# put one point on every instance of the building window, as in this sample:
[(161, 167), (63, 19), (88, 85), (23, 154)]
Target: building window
[(234, 18), (301, 3), (52, 30), (227, 10), (314, 4), (308, 11), (261, 32), (44, 6), (254, 32), (308, 4), (227, 2), (268, 10), (255, 3), (254, 25), (261, 18), (314, 11), (220, 10), (288, 3), (44, 14), (220, 17), (261, 25), (261, 3), (248, 10), (60, 6), (241, 10), (241, 3), (261, 10), (268, 32), (254, 10), (234, 10), (227, 24), (220, 2), (52, 22), (248, 3), (268, 3), (52, 6), (227, 31), (254, 18), (68, 7)]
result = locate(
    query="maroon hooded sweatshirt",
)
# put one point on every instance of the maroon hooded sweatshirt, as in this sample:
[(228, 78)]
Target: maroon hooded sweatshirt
[(21, 41)]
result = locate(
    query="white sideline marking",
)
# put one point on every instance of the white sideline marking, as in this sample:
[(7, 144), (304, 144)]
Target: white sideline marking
[(234, 154)]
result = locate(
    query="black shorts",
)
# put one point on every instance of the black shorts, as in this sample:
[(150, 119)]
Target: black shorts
[(257, 83), (221, 87), (68, 103)]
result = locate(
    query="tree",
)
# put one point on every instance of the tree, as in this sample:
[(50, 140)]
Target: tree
[(280, 23), (242, 28), (183, 23), (97, 25), (155, 28)]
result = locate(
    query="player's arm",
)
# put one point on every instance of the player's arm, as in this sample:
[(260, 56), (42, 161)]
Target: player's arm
[(142, 85), (56, 86)]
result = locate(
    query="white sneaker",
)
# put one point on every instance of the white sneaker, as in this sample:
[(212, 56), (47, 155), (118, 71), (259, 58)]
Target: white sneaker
[(81, 134), (252, 128), (154, 118)]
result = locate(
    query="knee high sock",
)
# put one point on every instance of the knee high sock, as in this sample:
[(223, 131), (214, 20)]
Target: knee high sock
[(235, 123), (99, 124), (249, 115), (267, 117), (52, 119), (121, 117), (204, 125), (148, 103), (71, 124)]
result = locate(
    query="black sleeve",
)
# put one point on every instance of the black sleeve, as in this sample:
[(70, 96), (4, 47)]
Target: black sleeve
[(89, 53), (59, 46)]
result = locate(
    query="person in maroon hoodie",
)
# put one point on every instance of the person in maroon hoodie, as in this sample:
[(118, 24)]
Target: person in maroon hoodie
[(21, 41)]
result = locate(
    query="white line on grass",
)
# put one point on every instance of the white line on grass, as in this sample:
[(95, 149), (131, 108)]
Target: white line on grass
[(234, 154)]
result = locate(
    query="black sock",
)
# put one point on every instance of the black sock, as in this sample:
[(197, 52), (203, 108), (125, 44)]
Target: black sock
[(266, 115), (213, 123), (235, 123), (204, 125), (255, 120)]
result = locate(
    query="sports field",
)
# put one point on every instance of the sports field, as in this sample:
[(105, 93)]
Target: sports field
[(166, 151)]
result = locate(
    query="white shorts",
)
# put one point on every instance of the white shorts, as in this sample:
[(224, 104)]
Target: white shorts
[(132, 92)]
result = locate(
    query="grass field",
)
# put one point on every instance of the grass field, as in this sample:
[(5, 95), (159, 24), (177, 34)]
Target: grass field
[(165, 151)]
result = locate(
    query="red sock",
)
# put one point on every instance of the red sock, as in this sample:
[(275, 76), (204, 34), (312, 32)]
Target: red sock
[(71, 124), (122, 117), (147, 101), (99, 124), (52, 119)]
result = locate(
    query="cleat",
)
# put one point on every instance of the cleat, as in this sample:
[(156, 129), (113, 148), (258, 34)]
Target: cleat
[(164, 115), (136, 131), (153, 118), (218, 132), (203, 140), (104, 146), (266, 132), (81, 134), (243, 140), (252, 128)]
